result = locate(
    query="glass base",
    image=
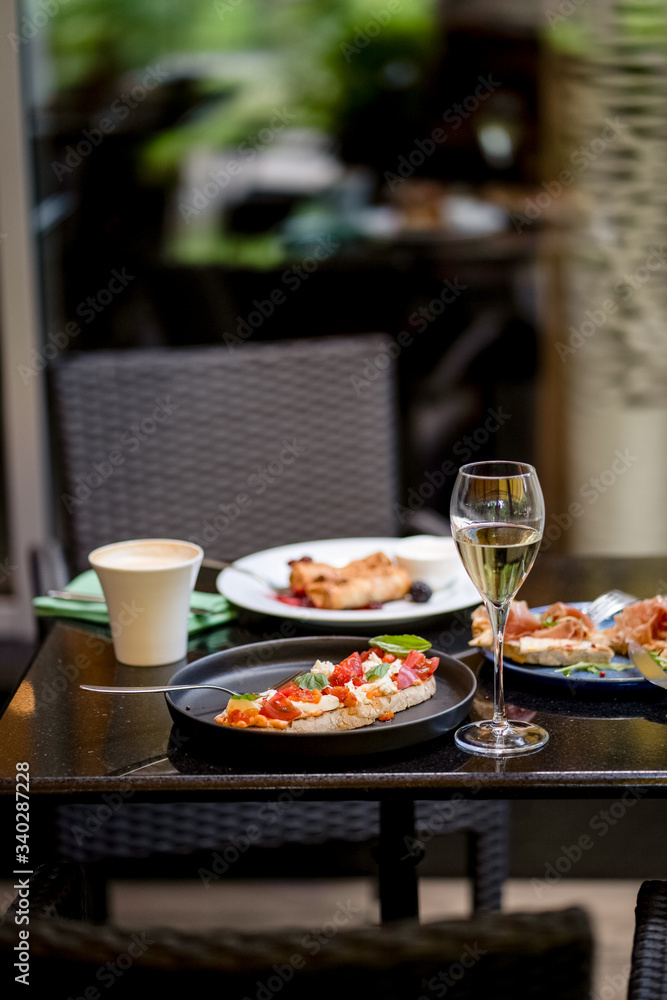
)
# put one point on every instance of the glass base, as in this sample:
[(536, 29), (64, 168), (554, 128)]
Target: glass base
[(494, 740)]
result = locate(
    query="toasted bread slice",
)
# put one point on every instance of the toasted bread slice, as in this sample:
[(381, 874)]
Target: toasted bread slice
[(549, 652), (363, 714)]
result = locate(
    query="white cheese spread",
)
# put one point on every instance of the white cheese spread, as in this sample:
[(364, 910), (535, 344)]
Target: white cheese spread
[(383, 685), (323, 667), (327, 703)]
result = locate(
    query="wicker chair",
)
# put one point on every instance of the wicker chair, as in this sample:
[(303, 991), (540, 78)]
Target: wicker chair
[(172, 437), (538, 956), (162, 442)]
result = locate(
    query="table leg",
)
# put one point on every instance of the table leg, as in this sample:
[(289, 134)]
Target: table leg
[(397, 857)]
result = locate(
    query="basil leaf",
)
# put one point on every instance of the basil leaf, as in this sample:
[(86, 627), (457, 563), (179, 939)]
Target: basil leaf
[(311, 682), (399, 645), (244, 697), (378, 671)]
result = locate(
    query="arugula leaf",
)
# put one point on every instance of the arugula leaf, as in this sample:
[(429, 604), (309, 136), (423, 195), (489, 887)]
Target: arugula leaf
[(244, 697), (592, 668), (399, 645), (660, 660), (311, 682), (377, 671), (549, 622)]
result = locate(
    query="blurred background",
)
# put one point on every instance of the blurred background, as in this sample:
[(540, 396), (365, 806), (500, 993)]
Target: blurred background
[(482, 181)]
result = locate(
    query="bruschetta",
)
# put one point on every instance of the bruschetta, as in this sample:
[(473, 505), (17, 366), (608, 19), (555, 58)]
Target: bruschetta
[(373, 684)]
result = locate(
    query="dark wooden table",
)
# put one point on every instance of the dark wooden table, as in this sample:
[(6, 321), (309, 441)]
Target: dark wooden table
[(80, 745)]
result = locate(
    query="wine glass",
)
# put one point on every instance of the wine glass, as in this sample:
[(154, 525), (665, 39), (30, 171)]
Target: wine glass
[(497, 518)]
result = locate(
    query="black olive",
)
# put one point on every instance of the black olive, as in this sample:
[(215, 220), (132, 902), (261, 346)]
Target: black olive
[(420, 592)]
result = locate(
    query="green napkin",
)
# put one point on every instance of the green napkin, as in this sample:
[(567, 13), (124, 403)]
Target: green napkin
[(88, 583)]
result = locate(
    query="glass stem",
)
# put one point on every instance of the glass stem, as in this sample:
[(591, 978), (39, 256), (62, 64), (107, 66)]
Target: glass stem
[(498, 619)]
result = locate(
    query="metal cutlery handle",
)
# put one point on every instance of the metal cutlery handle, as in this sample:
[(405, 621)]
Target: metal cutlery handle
[(70, 595), (148, 690), (134, 689), (221, 564)]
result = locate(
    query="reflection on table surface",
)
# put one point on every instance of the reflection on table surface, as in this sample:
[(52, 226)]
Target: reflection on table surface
[(77, 741)]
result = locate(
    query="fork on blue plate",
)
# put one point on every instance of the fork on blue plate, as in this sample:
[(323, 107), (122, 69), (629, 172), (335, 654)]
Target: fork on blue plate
[(608, 604)]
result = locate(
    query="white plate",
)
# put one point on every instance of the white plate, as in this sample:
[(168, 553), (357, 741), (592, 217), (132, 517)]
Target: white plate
[(248, 593)]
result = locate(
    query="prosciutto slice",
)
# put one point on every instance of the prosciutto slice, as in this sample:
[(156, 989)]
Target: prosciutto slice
[(520, 621), (645, 622), (571, 623)]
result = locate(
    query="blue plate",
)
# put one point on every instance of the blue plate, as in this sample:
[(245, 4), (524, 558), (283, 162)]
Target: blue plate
[(625, 679)]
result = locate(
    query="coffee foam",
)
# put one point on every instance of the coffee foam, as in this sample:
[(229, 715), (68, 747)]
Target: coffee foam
[(145, 555)]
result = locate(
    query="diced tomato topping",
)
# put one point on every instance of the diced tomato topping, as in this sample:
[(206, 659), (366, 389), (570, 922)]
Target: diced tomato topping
[(279, 707), (413, 659), (378, 652), (428, 667), (343, 694), (388, 658), (348, 668), (363, 656), (358, 681), (237, 718), (296, 693), (422, 666), (405, 677)]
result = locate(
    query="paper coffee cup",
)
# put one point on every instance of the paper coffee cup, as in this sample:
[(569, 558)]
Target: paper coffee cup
[(147, 583)]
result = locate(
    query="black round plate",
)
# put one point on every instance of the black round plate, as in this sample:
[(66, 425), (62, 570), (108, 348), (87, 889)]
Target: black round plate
[(257, 666)]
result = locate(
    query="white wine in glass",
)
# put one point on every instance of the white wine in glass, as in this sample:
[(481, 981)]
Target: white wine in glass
[(497, 517)]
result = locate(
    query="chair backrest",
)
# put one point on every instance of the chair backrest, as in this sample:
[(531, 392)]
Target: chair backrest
[(239, 450), (538, 956)]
